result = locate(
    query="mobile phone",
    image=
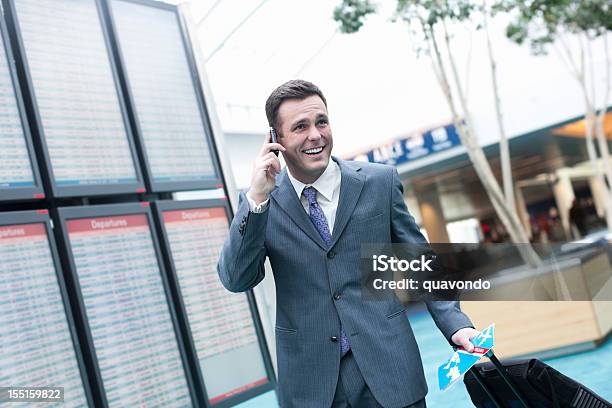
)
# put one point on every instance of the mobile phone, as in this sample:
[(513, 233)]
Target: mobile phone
[(273, 138)]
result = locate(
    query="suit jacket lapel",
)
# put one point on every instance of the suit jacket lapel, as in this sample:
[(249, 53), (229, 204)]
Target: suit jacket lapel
[(350, 189), (287, 199)]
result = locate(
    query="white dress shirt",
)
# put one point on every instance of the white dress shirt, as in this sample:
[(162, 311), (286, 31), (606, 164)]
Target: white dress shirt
[(328, 193)]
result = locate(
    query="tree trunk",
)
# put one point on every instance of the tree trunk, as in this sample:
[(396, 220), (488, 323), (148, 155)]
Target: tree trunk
[(589, 121), (504, 150), (601, 135), (466, 133), (603, 148)]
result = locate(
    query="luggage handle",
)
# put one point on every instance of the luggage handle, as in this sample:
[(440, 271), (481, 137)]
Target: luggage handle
[(485, 387), (504, 374)]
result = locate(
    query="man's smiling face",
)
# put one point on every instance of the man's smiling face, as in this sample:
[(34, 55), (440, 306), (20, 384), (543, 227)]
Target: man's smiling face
[(306, 134)]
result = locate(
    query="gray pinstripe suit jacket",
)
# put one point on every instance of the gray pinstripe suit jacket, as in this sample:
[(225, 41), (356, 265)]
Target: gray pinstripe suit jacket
[(308, 274)]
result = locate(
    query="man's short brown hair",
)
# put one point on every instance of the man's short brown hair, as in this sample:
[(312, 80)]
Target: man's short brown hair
[(294, 89)]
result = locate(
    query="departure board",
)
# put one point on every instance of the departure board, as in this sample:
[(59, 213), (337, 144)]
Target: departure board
[(75, 95), (220, 322), (16, 154), (36, 344), (168, 112), (127, 309)]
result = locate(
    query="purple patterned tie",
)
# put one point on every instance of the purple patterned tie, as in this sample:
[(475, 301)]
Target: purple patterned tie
[(320, 222)]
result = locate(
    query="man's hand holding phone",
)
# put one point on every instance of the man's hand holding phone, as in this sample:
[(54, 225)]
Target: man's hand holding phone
[(266, 168)]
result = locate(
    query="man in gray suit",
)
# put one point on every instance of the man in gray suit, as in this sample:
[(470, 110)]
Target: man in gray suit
[(334, 348)]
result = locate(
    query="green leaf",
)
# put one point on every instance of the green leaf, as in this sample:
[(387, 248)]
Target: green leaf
[(350, 14)]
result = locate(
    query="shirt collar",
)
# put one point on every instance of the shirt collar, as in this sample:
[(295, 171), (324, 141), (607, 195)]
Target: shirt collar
[(325, 184)]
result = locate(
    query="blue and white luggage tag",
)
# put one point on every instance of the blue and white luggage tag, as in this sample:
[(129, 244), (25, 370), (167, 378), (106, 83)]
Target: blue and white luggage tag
[(461, 361)]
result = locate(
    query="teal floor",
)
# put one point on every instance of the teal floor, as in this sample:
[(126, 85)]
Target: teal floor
[(592, 368)]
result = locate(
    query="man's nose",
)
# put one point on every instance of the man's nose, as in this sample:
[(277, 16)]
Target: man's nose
[(313, 134)]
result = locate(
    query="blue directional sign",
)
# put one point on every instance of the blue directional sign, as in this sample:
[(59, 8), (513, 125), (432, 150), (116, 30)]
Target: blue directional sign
[(461, 361), (415, 146)]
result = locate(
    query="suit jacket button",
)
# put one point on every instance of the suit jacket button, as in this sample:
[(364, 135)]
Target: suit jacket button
[(337, 296), (331, 254), (333, 339)]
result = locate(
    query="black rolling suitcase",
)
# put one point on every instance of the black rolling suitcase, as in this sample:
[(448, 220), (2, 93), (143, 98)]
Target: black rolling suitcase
[(526, 384)]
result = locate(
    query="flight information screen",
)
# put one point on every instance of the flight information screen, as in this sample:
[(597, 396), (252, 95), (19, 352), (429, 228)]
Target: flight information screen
[(163, 92), (15, 164), (36, 347), (127, 311), (221, 322), (75, 92)]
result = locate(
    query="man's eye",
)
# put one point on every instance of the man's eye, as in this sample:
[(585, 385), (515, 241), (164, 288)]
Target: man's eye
[(322, 122), (300, 127)]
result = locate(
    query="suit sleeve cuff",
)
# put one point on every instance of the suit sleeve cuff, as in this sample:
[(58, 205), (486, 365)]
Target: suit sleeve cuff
[(257, 208)]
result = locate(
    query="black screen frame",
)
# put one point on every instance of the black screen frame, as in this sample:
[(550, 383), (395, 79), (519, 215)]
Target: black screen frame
[(35, 192), (161, 206), (152, 184), (42, 217), (108, 210), (35, 119)]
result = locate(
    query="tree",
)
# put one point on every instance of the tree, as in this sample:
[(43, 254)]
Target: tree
[(429, 22), (557, 24)]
